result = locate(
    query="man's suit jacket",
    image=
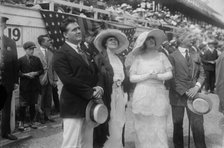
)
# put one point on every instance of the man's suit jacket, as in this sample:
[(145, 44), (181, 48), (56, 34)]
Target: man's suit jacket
[(185, 76), (78, 80), (10, 67), (49, 75), (209, 56)]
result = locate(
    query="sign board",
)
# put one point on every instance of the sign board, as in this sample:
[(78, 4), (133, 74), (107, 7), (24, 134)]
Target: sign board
[(15, 33)]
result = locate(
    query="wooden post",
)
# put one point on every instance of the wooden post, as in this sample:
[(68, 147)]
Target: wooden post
[(51, 6), (2, 25)]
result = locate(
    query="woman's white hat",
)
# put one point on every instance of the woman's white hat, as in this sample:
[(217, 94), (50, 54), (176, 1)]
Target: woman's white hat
[(104, 34), (158, 34), (201, 104)]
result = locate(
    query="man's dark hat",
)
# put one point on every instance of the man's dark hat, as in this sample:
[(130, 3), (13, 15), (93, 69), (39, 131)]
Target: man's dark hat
[(29, 44), (201, 46), (4, 19), (213, 43)]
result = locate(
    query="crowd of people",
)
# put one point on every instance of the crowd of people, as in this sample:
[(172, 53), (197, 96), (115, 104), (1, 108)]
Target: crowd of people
[(33, 74), (183, 66)]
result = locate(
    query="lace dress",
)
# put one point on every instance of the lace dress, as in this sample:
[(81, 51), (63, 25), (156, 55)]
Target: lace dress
[(150, 103)]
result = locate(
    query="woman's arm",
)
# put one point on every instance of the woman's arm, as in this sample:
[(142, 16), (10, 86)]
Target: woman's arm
[(165, 76), (135, 78)]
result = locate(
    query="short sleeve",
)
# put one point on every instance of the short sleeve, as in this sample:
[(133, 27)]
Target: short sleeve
[(166, 63)]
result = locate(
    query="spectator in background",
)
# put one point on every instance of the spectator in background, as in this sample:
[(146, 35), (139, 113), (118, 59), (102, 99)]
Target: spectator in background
[(30, 68), (9, 73), (48, 78), (220, 79), (208, 60)]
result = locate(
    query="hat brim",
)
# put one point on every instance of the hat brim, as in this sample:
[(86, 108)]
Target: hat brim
[(158, 34), (102, 112), (120, 36), (202, 100)]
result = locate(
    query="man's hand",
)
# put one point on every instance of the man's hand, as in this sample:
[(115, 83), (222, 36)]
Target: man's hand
[(16, 86), (192, 92), (28, 75), (98, 92)]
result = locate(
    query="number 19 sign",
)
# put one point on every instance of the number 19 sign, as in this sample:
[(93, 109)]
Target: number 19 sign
[(15, 33)]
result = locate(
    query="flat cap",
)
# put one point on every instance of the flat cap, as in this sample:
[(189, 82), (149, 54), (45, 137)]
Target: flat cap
[(29, 44)]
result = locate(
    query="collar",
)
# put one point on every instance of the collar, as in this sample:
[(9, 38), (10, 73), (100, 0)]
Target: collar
[(74, 46), (182, 50), (42, 48), (210, 49)]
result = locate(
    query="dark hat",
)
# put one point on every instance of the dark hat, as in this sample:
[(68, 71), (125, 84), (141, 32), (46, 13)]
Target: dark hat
[(201, 46), (200, 104), (213, 43), (4, 19), (29, 44), (96, 112)]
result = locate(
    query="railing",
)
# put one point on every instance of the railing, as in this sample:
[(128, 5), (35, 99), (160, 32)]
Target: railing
[(96, 11)]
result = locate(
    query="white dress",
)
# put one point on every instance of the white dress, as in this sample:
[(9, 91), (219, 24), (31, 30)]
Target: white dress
[(150, 103), (118, 103)]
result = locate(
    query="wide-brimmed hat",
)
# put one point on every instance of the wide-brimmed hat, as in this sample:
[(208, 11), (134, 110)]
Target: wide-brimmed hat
[(96, 112), (201, 104), (104, 34), (29, 45), (158, 34), (124, 5)]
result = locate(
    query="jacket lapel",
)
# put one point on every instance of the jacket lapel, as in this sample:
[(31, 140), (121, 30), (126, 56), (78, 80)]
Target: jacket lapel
[(73, 52), (183, 61)]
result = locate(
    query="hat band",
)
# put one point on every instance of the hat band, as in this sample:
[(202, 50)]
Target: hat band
[(92, 112)]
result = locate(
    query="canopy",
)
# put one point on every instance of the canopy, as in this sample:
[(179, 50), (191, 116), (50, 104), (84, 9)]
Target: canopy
[(194, 9)]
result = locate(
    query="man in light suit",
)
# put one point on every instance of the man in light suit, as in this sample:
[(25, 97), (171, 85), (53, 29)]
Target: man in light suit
[(9, 81), (187, 81), (81, 83), (48, 78)]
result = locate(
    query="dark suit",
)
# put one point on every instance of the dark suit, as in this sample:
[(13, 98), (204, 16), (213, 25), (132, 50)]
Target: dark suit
[(9, 78), (78, 80), (29, 87), (185, 76), (209, 69)]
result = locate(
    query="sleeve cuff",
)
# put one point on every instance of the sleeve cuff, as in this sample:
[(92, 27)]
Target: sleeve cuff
[(101, 89), (198, 84)]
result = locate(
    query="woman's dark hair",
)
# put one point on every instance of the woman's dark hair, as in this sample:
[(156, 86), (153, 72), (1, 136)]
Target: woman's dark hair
[(66, 22), (148, 38), (105, 40)]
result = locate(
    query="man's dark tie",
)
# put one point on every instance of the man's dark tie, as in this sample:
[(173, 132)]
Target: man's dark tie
[(187, 56), (83, 55)]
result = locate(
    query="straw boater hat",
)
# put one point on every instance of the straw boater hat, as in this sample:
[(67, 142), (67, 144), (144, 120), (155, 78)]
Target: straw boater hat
[(201, 104), (158, 34), (103, 35), (96, 112)]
